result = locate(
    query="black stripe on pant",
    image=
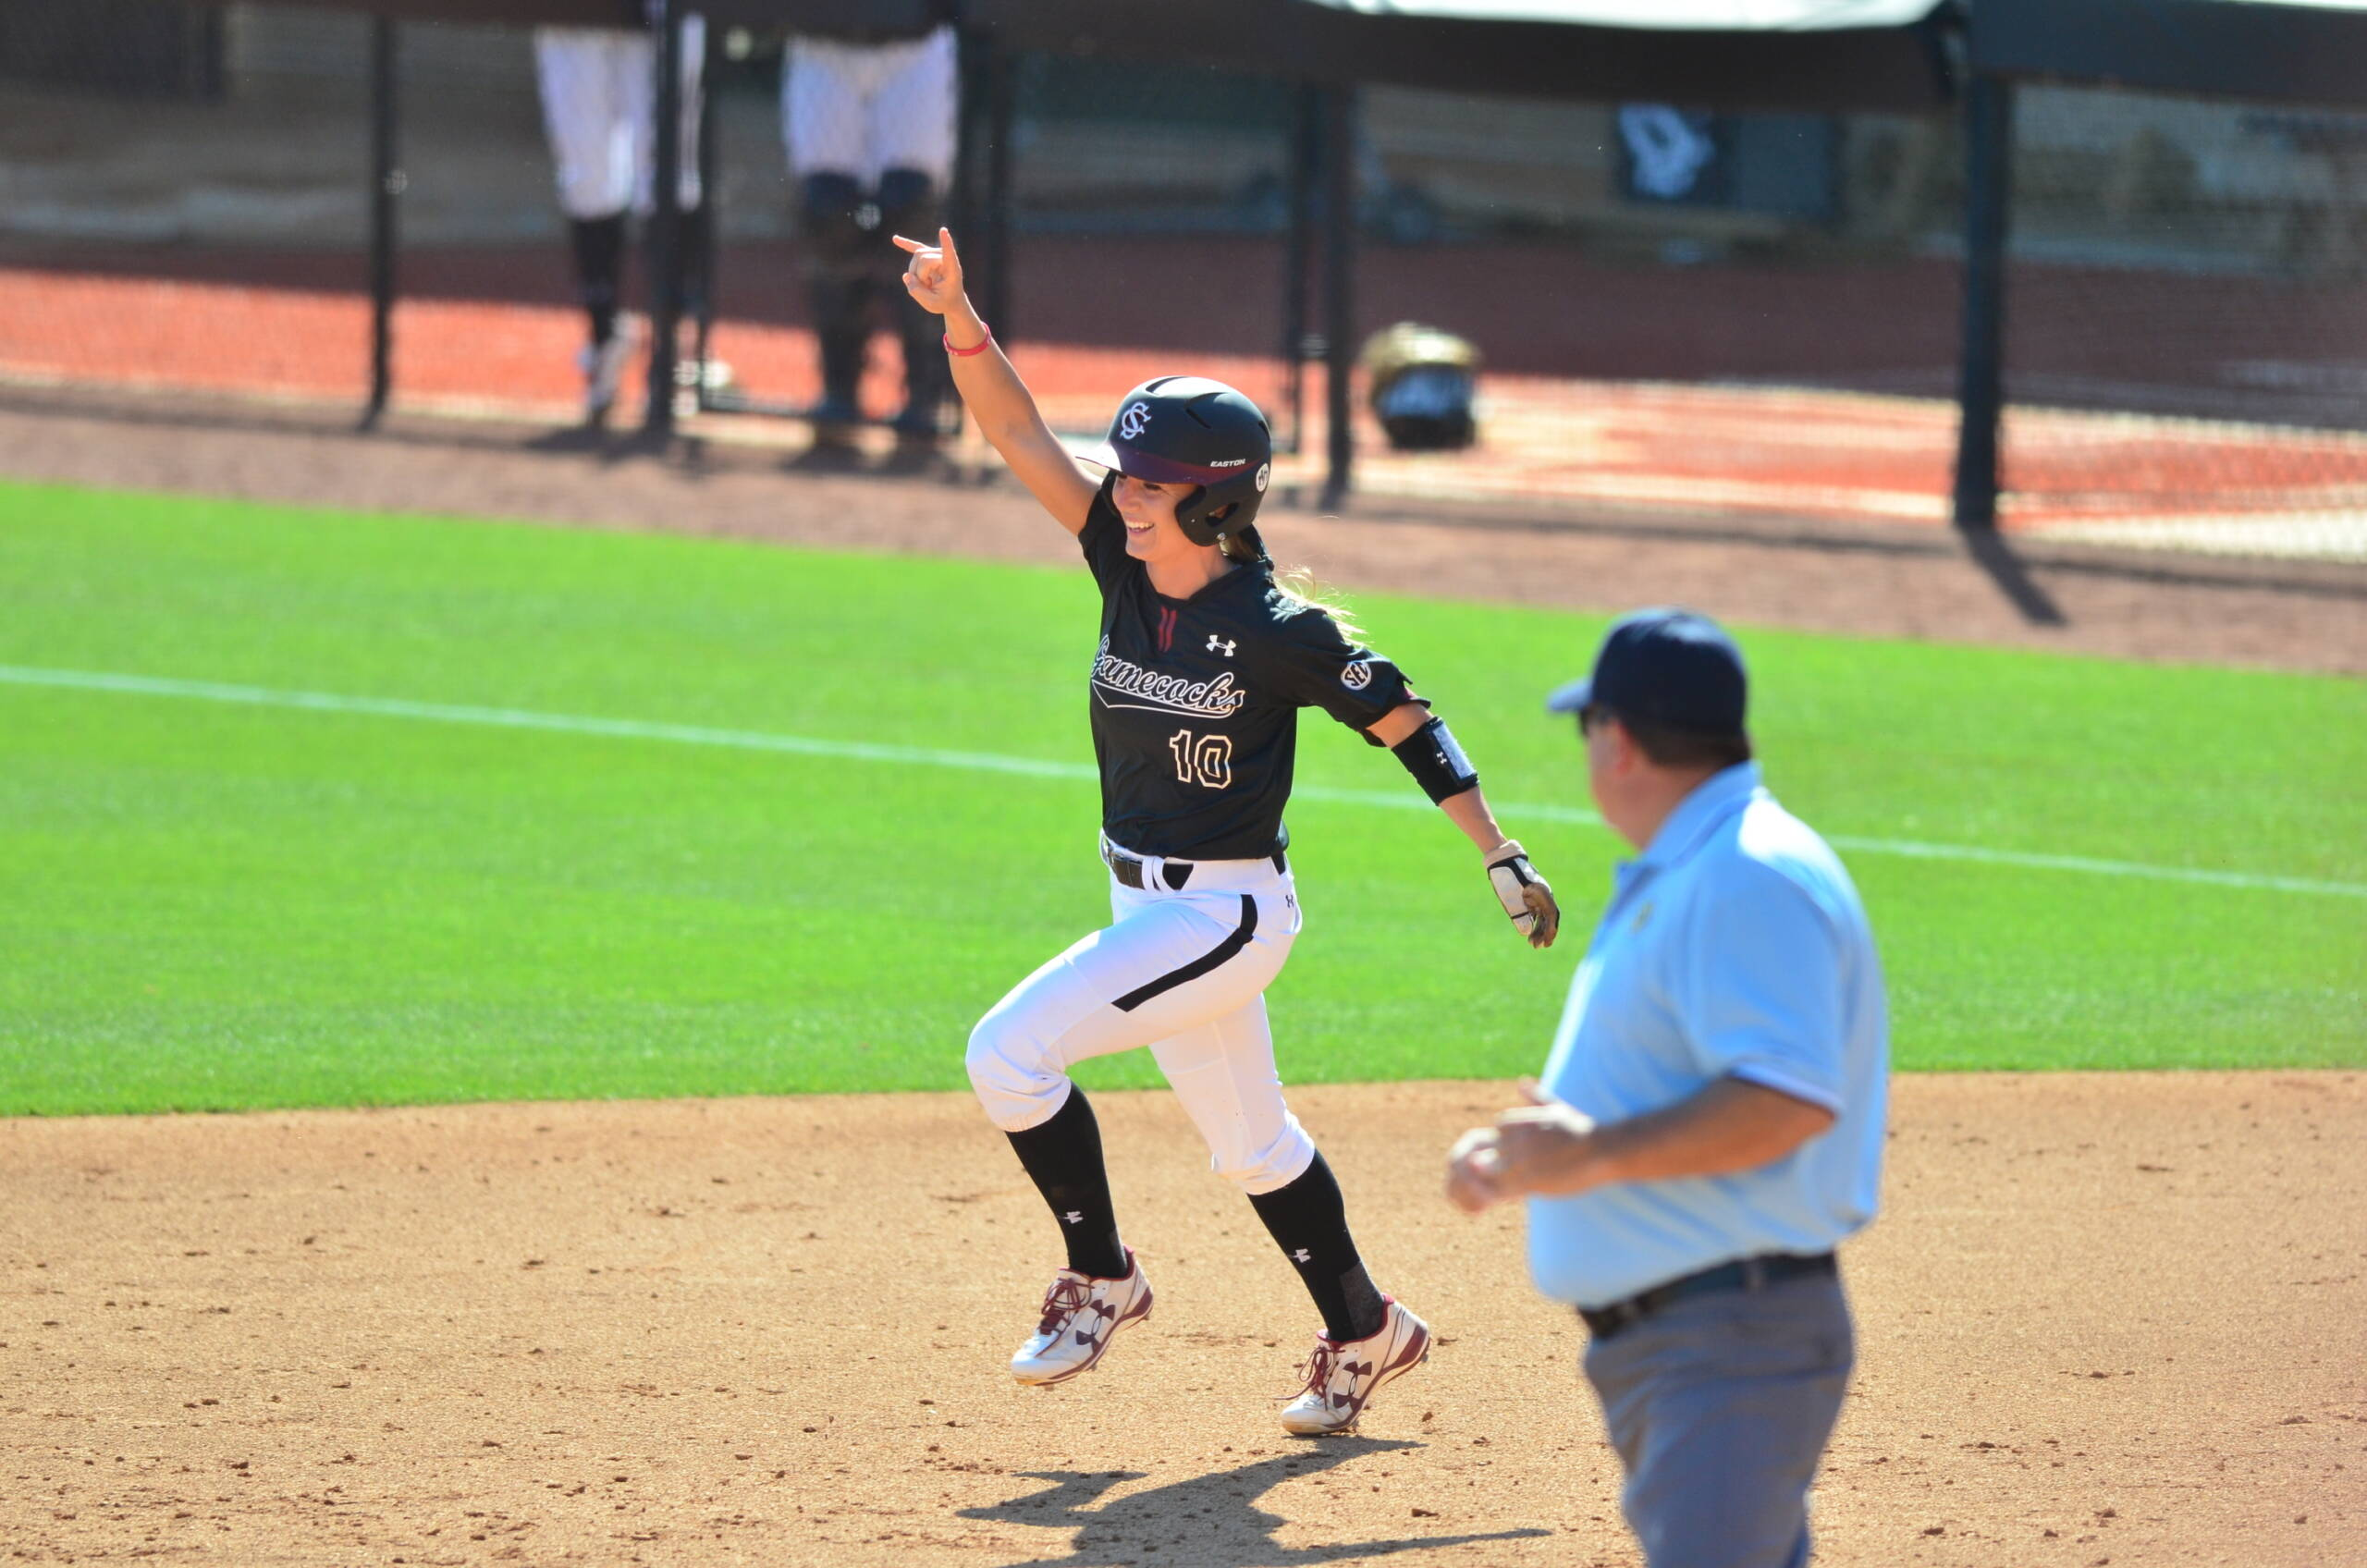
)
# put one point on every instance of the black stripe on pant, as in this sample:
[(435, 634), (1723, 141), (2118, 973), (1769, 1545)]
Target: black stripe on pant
[(1199, 966)]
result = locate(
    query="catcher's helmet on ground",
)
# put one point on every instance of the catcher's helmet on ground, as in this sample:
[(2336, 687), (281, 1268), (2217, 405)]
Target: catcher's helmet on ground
[(1189, 429), (1422, 381)]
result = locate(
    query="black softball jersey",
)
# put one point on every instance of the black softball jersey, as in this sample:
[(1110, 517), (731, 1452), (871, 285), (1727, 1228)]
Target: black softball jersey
[(1195, 700)]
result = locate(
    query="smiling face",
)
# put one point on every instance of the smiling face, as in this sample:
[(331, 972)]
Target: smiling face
[(1152, 534)]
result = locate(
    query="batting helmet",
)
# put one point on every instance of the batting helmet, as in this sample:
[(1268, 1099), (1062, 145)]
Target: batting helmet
[(1422, 381), (1189, 429)]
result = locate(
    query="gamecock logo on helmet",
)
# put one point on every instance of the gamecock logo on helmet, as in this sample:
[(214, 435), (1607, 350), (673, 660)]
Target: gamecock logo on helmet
[(1135, 420), (1265, 472)]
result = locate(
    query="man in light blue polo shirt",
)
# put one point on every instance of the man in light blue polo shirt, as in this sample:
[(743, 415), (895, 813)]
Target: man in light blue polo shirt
[(1710, 1123)]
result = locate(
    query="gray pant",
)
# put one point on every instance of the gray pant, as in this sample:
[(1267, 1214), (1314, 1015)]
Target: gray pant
[(1720, 1407)]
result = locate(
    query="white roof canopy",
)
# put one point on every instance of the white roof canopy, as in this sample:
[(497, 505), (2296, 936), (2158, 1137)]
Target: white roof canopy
[(1702, 15)]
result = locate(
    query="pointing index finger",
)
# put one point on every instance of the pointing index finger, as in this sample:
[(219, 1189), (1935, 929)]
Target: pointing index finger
[(912, 245)]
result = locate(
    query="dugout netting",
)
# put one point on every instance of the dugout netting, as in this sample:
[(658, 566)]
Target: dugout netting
[(186, 199), (1156, 219), (189, 202), (207, 229), (1681, 312), (2185, 322)]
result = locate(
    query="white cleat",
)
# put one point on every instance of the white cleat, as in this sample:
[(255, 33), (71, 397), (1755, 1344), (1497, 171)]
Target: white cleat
[(709, 375), (1082, 1315), (603, 369), (1342, 1379)]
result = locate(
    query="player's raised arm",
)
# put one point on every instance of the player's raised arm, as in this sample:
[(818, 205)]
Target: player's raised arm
[(997, 400)]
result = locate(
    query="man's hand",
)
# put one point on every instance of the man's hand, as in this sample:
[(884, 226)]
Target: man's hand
[(933, 277), (1473, 1169), (1543, 1147), (1548, 1148)]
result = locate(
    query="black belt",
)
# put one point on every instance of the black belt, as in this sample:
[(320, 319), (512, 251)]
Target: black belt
[(1174, 873), (1743, 1274)]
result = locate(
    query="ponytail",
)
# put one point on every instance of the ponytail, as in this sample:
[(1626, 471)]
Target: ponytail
[(1297, 585)]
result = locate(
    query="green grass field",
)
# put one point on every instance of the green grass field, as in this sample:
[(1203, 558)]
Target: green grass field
[(229, 903)]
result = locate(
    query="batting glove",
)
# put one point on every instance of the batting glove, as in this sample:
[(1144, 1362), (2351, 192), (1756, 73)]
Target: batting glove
[(1526, 897)]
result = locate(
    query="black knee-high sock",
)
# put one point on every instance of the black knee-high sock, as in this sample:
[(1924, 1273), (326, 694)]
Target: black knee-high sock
[(1309, 1221), (599, 270), (696, 238), (1063, 1156)]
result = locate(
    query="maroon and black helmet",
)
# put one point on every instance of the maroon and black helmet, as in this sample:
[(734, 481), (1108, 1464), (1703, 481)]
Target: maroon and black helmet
[(1189, 429)]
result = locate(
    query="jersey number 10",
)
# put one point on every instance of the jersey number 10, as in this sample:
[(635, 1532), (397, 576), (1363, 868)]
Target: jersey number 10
[(1205, 760)]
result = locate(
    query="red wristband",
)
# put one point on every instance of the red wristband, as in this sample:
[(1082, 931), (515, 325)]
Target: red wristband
[(965, 353)]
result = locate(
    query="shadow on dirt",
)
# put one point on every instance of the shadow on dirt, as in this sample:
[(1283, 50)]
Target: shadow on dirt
[(1210, 1520)]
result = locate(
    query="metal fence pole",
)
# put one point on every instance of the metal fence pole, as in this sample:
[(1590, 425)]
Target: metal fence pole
[(1001, 112), (969, 75), (1339, 283), (385, 184), (701, 289), (666, 222), (1298, 244), (1980, 391)]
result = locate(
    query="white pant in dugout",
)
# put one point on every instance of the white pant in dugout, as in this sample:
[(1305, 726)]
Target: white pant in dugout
[(1183, 973), (599, 94), (861, 109)]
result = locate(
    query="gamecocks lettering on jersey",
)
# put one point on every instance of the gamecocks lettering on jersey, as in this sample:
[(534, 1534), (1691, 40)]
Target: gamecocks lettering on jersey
[(1196, 700), (1115, 677)]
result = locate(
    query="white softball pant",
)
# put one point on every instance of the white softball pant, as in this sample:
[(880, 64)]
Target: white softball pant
[(1184, 973), (860, 109), (599, 89)]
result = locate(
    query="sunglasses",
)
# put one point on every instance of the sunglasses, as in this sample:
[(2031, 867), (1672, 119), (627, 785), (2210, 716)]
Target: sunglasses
[(1590, 715)]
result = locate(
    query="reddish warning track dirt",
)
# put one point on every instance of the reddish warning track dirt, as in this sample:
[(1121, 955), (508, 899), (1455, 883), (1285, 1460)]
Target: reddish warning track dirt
[(2116, 1318), (1625, 393)]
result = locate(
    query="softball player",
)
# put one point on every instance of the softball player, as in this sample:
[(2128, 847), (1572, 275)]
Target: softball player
[(598, 88), (868, 101), (1203, 664)]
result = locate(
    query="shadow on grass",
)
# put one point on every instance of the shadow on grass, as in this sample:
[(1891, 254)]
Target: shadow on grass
[(1211, 1520)]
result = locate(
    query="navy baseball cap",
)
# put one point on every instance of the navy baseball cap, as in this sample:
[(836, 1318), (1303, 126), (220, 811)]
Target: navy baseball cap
[(1664, 665)]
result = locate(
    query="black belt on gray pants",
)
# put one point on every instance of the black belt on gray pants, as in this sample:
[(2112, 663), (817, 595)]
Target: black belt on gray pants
[(1174, 873), (1743, 1274)]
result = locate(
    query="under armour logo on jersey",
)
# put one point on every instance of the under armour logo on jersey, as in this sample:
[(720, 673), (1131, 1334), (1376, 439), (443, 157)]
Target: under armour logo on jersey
[(1302, 1256), (1220, 644), (1135, 420), (1074, 1217)]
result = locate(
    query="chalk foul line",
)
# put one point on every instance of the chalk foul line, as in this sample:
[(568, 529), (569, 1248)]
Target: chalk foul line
[(1030, 767)]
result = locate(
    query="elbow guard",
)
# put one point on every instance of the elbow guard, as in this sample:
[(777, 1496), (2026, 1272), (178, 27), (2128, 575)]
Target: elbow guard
[(1436, 761)]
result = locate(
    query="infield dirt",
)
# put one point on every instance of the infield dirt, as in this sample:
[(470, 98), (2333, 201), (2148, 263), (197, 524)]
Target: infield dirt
[(2103, 1319), (2106, 1320)]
